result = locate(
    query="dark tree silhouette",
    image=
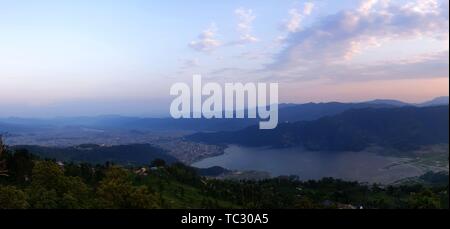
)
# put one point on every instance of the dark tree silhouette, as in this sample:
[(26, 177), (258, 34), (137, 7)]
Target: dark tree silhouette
[(3, 168)]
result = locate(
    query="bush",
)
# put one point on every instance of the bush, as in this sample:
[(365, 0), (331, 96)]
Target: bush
[(12, 198)]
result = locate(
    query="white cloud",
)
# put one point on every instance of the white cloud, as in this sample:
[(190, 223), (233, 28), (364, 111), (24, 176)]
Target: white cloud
[(207, 40), (423, 6), (366, 6), (338, 37), (245, 26), (326, 51), (308, 8), (294, 22), (296, 16)]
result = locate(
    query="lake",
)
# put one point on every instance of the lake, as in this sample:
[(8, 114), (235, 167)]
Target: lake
[(353, 166)]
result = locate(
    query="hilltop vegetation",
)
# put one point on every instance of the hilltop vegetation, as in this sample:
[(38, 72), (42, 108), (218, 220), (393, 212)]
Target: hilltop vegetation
[(131, 154), (29, 182)]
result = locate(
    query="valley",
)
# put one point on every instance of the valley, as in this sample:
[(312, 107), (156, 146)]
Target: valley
[(368, 142), (170, 141)]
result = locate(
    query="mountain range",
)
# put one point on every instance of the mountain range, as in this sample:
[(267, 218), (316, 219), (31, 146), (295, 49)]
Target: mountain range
[(438, 101), (399, 128), (287, 113)]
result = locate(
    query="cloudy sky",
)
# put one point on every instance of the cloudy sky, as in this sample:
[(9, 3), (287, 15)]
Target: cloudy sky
[(87, 57)]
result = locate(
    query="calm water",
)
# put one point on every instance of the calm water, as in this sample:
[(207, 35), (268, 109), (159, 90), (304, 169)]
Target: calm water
[(355, 166)]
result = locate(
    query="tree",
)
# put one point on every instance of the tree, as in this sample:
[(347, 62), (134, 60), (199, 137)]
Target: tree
[(424, 200), (3, 154), (305, 203), (21, 165), (47, 175), (51, 189), (158, 163), (12, 198), (41, 198), (117, 191)]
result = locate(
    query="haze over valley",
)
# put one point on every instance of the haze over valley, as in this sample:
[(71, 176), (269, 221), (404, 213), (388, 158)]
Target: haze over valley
[(311, 137)]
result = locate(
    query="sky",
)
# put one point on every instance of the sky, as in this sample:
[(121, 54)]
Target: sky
[(72, 58)]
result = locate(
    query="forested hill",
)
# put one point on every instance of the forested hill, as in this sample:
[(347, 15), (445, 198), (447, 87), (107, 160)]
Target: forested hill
[(401, 128), (132, 154), (28, 182)]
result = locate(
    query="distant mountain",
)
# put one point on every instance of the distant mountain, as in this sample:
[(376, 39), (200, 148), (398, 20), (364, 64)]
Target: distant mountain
[(439, 101), (443, 100), (287, 113), (135, 154), (401, 128), (6, 126), (389, 102), (313, 111)]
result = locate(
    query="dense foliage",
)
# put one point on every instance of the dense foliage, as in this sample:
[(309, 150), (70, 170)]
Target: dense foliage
[(29, 182)]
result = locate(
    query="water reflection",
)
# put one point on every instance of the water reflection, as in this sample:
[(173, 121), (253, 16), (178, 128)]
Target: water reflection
[(354, 166)]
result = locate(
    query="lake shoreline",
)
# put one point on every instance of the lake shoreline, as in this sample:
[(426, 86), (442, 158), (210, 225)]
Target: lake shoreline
[(365, 166)]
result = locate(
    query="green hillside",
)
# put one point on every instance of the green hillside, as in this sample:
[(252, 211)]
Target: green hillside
[(29, 182)]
